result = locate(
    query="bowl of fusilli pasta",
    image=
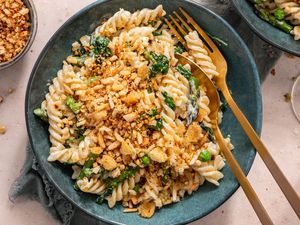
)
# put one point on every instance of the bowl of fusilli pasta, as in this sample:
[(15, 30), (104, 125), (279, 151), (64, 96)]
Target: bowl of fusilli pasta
[(122, 130), (275, 21)]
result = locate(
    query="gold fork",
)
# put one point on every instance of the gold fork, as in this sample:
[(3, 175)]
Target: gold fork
[(214, 107), (220, 80)]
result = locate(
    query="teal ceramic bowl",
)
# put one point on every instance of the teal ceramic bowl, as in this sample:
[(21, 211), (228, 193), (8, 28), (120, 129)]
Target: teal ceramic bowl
[(243, 81), (265, 30)]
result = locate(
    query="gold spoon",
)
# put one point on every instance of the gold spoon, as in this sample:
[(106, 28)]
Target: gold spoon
[(214, 106)]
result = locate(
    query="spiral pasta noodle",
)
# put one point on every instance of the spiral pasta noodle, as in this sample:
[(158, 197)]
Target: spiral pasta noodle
[(200, 54)]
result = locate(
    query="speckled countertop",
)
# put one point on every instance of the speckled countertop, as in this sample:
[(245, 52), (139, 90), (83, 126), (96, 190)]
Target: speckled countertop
[(280, 133)]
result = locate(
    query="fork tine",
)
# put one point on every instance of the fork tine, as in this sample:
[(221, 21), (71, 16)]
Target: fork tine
[(175, 32), (178, 26), (183, 22), (199, 29)]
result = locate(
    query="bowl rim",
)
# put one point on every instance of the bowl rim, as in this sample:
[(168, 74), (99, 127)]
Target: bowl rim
[(258, 126), (260, 34), (33, 30)]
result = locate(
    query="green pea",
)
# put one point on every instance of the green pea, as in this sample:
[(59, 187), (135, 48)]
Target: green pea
[(205, 155), (146, 160)]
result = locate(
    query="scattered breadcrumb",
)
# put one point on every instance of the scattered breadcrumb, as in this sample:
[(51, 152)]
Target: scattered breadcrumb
[(289, 55), (287, 97), (2, 129), (128, 210), (14, 26), (1, 99), (273, 72), (10, 90)]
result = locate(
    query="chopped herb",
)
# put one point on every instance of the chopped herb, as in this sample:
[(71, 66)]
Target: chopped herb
[(184, 72), (160, 63), (86, 170), (72, 104), (80, 132), (146, 160), (137, 188), (101, 46), (169, 101), (166, 176), (179, 49), (68, 142), (113, 183), (158, 126), (153, 112), (152, 23), (156, 33), (92, 79), (211, 134), (205, 155), (41, 113)]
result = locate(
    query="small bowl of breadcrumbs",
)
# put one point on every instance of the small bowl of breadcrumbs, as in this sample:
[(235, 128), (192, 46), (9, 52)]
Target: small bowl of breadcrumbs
[(18, 26)]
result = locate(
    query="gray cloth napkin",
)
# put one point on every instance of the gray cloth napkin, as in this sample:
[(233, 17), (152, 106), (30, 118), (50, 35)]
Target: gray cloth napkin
[(33, 183)]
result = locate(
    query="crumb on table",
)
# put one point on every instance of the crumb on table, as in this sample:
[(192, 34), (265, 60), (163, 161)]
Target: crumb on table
[(2, 129), (14, 26), (287, 97), (1, 99), (289, 55), (273, 72), (10, 90)]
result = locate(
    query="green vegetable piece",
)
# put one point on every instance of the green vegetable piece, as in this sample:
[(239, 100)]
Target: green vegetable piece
[(86, 170), (72, 104), (137, 188), (41, 113), (169, 101), (113, 183), (267, 16), (101, 46), (217, 40), (92, 79), (152, 23), (279, 14), (205, 156), (179, 49), (153, 112), (156, 33), (211, 134), (146, 160), (160, 63), (183, 71), (166, 176), (194, 83), (80, 131), (158, 126), (75, 186)]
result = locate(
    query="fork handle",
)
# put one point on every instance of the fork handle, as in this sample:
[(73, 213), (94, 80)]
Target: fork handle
[(279, 177), (242, 179)]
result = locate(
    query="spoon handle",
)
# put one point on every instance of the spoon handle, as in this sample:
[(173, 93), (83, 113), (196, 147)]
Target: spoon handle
[(242, 179), (278, 175)]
